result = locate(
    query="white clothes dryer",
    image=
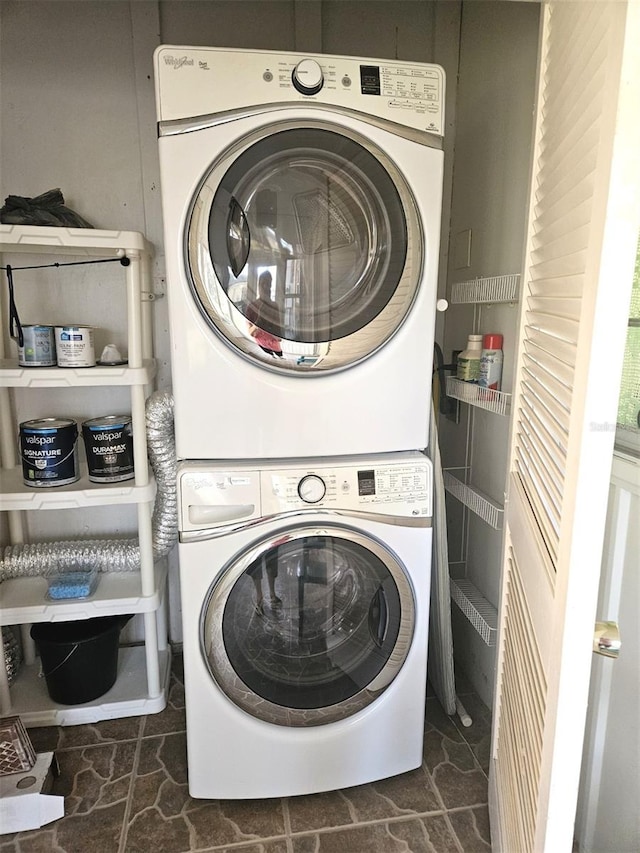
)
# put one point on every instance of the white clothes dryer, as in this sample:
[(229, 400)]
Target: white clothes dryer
[(305, 607), (301, 201)]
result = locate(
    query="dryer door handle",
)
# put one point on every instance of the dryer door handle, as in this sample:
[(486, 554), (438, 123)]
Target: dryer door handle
[(378, 617), (238, 237)]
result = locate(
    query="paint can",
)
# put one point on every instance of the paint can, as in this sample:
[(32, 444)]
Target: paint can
[(39, 348), (74, 346), (49, 452), (108, 442)]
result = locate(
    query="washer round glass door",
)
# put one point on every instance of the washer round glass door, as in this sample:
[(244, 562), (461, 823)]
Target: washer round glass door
[(308, 626), (303, 247)]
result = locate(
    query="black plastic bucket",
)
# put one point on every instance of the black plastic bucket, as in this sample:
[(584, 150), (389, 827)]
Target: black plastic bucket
[(79, 659)]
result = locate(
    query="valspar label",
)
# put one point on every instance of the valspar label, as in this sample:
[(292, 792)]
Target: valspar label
[(108, 442), (49, 452)]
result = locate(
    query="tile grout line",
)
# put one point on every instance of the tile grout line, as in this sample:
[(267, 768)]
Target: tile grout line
[(467, 743), (434, 787), (475, 757), (454, 834), (444, 813), (287, 823), (237, 845), (124, 829), (462, 729), (80, 746), (373, 822)]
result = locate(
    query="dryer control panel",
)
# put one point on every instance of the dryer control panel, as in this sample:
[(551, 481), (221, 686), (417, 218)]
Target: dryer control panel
[(201, 81), (397, 485)]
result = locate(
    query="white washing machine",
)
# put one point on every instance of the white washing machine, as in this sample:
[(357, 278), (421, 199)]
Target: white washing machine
[(305, 606), (301, 199)]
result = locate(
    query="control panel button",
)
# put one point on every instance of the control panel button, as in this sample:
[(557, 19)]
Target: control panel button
[(307, 77), (312, 489)]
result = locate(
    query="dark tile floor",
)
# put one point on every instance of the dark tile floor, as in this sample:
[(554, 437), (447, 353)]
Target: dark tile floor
[(125, 788)]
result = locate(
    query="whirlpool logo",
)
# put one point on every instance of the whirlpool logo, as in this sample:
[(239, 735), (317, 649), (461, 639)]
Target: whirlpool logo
[(177, 61)]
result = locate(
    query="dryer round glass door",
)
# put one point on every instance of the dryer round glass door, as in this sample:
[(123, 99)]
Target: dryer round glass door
[(304, 248), (308, 626)]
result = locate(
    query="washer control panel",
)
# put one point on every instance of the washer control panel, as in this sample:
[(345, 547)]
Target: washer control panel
[(195, 81), (399, 485)]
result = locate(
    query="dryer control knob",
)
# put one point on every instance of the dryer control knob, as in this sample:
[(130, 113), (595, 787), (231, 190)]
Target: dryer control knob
[(312, 489), (307, 77)]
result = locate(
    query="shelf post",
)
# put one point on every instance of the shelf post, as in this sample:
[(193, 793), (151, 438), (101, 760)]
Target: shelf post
[(151, 652), (134, 308)]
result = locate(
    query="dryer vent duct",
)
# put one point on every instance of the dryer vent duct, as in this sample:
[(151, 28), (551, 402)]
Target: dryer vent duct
[(113, 555)]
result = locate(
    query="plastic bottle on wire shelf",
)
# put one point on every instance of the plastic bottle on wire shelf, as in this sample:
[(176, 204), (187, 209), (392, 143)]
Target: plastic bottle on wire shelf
[(468, 369), (491, 362)]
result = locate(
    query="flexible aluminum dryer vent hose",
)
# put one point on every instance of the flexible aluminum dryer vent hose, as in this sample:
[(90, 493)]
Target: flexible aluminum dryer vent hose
[(113, 555)]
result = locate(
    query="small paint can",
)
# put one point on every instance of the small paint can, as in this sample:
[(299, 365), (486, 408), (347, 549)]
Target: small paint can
[(108, 442), (49, 452), (39, 347), (74, 346)]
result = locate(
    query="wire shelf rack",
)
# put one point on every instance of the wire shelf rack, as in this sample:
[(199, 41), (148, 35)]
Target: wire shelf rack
[(496, 288), (475, 500), (476, 395), (480, 612)]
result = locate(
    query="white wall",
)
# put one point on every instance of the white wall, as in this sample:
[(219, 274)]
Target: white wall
[(498, 60)]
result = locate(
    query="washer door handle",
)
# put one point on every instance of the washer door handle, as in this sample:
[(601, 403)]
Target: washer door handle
[(378, 617)]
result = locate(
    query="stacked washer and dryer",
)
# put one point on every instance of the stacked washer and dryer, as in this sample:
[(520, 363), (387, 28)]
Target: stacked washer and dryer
[(301, 201)]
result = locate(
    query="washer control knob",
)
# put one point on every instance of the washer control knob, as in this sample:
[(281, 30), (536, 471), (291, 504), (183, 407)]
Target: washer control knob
[(307, 77), (312, 489)]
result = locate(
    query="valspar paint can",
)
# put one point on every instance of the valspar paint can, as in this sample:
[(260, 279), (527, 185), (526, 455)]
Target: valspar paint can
[(39, 348), (108, 442), (49, 451), (74, 346)]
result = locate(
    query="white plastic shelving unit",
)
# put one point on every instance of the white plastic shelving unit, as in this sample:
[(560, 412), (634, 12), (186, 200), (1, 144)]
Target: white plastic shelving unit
[(478, 610), (143, 671)]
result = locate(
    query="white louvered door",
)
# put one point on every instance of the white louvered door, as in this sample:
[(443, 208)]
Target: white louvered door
[(582, 232)]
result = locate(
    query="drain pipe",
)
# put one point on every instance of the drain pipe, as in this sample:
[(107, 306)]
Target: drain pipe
[(114, 555)]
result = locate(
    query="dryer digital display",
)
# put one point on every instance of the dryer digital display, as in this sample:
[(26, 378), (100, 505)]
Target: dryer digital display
[(370, 79)]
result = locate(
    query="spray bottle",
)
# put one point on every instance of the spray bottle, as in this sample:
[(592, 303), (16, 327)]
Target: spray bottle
[(491, 362)]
